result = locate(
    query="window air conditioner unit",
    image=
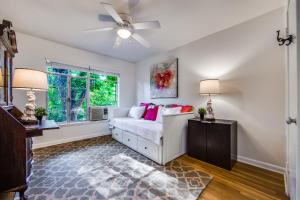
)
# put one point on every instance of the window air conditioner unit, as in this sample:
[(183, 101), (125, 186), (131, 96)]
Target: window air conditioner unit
[(98, 113)]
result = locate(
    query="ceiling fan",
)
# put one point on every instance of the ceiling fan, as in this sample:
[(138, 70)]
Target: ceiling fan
[(125, 28)]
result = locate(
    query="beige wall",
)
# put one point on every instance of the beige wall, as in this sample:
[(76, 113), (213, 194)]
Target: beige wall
[(32, 54), (250, 64)]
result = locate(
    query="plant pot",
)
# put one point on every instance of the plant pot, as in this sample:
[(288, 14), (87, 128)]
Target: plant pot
[(202, 116), (39, 118)]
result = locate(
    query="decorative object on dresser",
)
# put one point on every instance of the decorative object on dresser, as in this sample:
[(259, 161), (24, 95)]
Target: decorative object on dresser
[(40, 112), (30, 80), (164, 80), (8, 49), (210, 87), (213, 142), (202, 112)]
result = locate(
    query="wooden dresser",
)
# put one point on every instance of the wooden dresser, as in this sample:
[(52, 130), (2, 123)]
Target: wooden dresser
[(213, 142), (16, 149)]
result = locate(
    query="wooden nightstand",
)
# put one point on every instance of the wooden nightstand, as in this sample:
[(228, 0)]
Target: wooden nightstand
[(213, 142)]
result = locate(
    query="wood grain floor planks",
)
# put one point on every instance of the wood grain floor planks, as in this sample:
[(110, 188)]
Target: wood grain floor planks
[(243, 182)]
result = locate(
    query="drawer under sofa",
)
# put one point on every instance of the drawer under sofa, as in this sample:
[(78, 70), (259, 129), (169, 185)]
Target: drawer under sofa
[(117, 134), (139, 144)]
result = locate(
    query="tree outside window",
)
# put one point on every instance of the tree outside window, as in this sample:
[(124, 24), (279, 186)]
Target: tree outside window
[(71, 92)]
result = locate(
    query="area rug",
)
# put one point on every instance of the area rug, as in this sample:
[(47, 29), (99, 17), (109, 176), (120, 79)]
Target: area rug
[(101, 168)]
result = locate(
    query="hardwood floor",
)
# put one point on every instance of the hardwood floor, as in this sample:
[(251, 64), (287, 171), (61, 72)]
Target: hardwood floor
[(7, 196), (243, 182)]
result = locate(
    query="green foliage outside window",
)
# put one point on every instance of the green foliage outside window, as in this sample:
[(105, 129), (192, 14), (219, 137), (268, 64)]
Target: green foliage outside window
[(103, 91), (57, 97), (69, 102)]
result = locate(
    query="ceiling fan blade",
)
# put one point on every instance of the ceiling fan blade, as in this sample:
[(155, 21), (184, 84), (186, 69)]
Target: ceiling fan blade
[(99, 29), (141, 40), (146, 25), (112, 12), (117, 42), (105, 18)]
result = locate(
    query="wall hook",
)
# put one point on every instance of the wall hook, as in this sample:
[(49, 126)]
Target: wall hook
[(287, 40)]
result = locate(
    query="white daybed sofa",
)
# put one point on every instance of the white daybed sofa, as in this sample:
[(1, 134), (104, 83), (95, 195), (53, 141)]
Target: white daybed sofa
[(161, 142)]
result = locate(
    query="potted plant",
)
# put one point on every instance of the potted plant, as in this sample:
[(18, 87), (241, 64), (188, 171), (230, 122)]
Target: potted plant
[(202, 112), (39, 113)]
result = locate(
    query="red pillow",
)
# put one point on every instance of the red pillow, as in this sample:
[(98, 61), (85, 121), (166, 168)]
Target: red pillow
[(186, 109), (146, 107), (151, 113)]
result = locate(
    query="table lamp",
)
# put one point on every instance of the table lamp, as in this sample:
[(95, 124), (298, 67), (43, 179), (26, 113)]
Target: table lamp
[(210, 87), (31, 80)]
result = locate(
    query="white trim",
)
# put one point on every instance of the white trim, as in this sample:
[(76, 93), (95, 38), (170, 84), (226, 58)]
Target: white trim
[(260, 164), (88, 68), (71, 139)]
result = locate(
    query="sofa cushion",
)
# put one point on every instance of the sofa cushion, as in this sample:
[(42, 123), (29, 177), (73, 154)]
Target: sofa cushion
[(151, 113), (186, 109), (136, 112), (146, 107), (172, 111), (159, 115)]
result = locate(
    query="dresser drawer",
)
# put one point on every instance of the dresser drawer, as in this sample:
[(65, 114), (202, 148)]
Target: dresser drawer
[(148, 149), (130, 140), (117, 134)]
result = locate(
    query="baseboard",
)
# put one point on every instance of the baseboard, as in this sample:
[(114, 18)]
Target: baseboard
[(71, 139), (263, 165)]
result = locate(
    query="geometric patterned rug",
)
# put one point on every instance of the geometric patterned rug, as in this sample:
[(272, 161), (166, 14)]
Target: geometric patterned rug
[(101, 168)]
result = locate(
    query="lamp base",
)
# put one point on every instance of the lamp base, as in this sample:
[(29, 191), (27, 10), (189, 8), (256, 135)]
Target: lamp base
[(210, 114), (210, 119), (29, 111)]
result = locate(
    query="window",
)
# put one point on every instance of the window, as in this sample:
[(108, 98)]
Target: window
[(72, 91)]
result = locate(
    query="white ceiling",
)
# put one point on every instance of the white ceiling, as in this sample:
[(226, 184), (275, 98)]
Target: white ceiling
[(182, 21)]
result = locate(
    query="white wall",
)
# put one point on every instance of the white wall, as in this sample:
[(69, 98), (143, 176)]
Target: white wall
[(250, 64), (32, 54)]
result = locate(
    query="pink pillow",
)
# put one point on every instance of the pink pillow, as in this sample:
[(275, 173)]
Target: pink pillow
[(151, 113), (146, 107)]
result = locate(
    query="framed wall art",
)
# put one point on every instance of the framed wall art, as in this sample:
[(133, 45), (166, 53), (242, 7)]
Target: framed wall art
[(164, 79)]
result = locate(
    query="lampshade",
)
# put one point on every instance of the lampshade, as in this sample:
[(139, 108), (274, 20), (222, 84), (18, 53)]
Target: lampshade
[(210, 86), (29, 79), (1, 78)]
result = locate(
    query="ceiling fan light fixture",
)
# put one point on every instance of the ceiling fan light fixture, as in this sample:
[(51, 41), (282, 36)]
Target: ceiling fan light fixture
[(124, 33)]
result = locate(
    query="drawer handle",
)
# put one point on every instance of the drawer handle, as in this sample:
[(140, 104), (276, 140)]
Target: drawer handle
[(145, 147)]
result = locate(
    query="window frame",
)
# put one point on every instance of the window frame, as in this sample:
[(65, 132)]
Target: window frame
[(88, 78)]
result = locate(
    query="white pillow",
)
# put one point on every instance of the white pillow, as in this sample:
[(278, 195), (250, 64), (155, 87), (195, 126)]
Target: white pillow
[(172, 111), (159, 114), (136, 112)]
